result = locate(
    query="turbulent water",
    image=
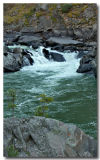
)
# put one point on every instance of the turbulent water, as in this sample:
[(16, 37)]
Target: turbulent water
[(75, 95)]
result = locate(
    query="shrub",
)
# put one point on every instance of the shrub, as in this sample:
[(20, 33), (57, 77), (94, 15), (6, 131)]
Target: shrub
[(12, 152), (42, 110), (11, 97), (66, 7)]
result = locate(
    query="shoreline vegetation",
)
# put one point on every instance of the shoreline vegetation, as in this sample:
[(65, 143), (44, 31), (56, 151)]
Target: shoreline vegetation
[(63, 27)]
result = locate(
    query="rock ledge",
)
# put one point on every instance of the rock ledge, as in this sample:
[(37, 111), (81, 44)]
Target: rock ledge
[(47, 138)]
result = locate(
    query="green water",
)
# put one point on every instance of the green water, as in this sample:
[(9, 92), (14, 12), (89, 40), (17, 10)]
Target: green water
[(75, 97)]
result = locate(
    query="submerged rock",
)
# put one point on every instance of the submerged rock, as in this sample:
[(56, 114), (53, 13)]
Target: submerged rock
[(52, 55), (40, 137)]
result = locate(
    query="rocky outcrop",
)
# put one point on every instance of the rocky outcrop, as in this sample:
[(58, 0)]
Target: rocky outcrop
[(40, 137), (15, 59), (66, 41), (88, 63), (30, 40), (53, 56)]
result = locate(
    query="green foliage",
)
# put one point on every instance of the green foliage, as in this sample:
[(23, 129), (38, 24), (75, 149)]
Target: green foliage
[(42, 110), (11, 97), (12, 152), (66, 7)]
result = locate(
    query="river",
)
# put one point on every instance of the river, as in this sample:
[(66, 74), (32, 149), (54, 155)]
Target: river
[(75, 95)]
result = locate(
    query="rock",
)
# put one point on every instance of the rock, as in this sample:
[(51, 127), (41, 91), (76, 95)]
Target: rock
[(43, 7), (30, 59), (26, 62), (29, 40), (52, 41), (44, 23), (88, 63), (15, 59), (81, 54), (11, 37), (59, 48), (52, 55), (40, 137), (12, 63), (17, 50), (84, 68), (5, 49)]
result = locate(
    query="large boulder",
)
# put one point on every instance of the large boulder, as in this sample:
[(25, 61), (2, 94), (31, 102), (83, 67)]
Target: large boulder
[(53, 55), (88, 63), (84, 68), (66, 41), (30, 40), (12, 63), (40, 137), (15, 59)]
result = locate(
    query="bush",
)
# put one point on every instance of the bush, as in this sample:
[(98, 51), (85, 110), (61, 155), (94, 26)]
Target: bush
[(11, 97), (42, 110), (12, 152), (66, 7)]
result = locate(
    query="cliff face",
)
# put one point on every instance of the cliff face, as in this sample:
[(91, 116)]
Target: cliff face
[(76, 20)]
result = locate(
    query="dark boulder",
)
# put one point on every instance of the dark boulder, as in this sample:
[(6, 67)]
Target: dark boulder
[(84, 68), (81, 54), (88, 63), (52, 55), (30, 59)]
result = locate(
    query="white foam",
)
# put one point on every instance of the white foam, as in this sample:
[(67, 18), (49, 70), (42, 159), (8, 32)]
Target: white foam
[(43, 66)]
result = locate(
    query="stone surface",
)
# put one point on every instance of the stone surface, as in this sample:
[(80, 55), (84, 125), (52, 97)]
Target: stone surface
[(29, 40), (12, 63), (89, 63), (63, 41), (15, 59), (53, 56), (40, 137)]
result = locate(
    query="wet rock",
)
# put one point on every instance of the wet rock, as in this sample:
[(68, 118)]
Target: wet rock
[(81, 54), (40, 137), (17, 50), (6, 49), (52, 55), (15, 59), (12, 63), (88, 63), (84, 68)]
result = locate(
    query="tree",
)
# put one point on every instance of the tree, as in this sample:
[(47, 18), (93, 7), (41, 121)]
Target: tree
[(42, 110), (12, 98)]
